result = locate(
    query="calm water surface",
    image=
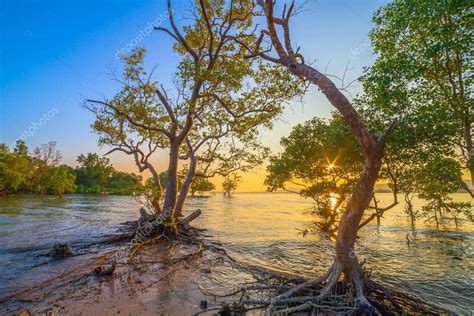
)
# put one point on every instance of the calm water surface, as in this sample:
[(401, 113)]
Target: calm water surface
[(258, 228)]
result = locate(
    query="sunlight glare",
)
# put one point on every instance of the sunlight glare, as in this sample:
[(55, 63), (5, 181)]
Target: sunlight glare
[(333, 200)]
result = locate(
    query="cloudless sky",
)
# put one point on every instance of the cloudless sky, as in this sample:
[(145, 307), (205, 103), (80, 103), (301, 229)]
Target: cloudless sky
[(54, 54)]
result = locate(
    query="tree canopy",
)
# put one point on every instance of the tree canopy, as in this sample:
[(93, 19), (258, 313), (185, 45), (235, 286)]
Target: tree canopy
[(321, 161), (423, 64), (211, 118)]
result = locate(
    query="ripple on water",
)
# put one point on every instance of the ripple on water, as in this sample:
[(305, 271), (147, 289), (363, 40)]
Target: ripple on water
[(257, 228)]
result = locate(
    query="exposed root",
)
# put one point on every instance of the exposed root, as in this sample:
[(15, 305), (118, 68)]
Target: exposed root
[(284, 297), (330, 295), (277, 293), (334, 273), (136, 247), (358, 280)]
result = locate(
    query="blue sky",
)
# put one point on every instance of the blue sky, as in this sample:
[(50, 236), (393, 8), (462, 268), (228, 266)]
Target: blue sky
[(54, 54)]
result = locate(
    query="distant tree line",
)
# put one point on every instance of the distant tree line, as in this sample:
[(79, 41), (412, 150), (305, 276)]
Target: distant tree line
[(40, 173)]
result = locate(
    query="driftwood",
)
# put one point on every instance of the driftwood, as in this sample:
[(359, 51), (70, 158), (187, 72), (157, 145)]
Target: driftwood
[(185, 221)]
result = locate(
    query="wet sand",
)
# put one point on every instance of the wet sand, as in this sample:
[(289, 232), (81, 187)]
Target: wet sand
[(150, 285), (158, 279)]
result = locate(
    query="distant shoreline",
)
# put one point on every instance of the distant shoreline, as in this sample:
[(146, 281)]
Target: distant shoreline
[(210, 194)]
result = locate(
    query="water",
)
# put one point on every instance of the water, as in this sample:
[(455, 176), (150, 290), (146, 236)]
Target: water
[(258, 228)]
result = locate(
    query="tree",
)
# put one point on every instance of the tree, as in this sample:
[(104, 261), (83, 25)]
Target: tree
[(15, 168), (438, 180), (123, 183), (230, 184), (346, 262), (60, 180), (44, 157), (321, 161), (425, 48), (201, 185), (222, 99), (92, 173), (422, 74)]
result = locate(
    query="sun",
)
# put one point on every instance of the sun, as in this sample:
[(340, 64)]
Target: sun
[(333, 200)]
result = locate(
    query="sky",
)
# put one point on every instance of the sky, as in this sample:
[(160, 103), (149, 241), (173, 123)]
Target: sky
[(55, 54)]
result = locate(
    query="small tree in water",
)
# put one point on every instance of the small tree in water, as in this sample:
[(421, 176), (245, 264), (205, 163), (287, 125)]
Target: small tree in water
[(60, 180), (201, 185), (45, 157), (230, 184)]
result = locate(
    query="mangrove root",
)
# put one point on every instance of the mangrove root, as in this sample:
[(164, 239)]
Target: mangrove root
[(327, 295)]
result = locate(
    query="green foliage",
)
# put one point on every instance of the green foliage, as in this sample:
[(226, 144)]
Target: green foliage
[(15, 168), (423, 75), (438, 179), (44, 158), (93, 173), (321, 161), (37, 173), (230, 184), (123, 183), (202, 185), (60, 180)]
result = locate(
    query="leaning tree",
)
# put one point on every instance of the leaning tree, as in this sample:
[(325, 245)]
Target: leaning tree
[(282, 52)]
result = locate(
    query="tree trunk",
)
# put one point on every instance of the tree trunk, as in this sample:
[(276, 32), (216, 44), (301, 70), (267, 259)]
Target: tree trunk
[(470, 155), (409, 210), (364, 189), (185, 189), (346, 259), (467, 125), (185, 222), (169, 203)]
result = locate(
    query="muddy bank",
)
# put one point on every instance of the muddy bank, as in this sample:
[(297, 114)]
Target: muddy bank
[(159, 281)]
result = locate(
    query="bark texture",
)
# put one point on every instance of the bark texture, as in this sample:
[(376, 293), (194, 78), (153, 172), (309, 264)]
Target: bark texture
[(183, 193), (171, 182)]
